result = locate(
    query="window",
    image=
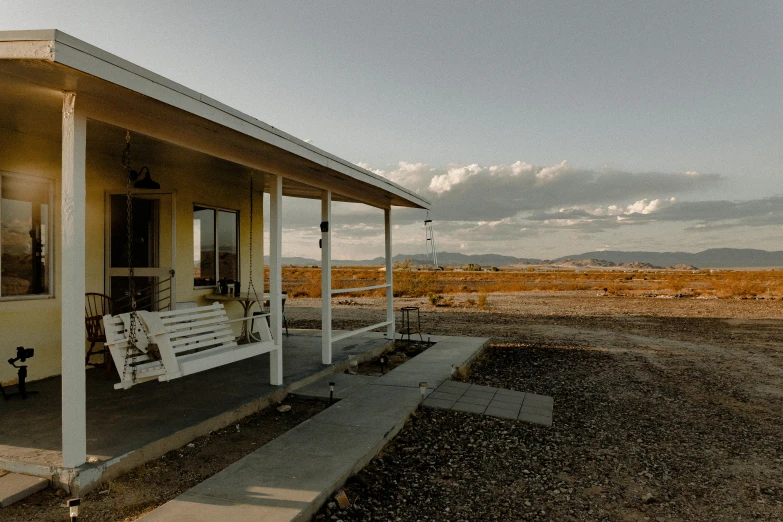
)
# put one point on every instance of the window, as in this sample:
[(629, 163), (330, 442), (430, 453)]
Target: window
[(215, 245), (25, 236)]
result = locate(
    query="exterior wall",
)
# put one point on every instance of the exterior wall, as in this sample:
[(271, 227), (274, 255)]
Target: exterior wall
[(36, 322), (33, 323)]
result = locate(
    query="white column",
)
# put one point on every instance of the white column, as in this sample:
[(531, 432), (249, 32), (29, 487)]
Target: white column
[(276, 277), (389, 274), (72, 259), (326, 278)]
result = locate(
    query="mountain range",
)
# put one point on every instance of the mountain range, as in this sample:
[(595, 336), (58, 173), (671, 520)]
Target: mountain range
[(711, 258)]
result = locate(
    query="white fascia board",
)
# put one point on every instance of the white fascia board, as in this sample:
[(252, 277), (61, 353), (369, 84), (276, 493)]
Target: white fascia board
[(81, 56)]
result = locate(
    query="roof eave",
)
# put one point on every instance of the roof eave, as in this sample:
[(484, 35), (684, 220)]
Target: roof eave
[(61, 48)]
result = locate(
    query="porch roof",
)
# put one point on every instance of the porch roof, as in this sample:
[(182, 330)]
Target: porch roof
[(37, 65)]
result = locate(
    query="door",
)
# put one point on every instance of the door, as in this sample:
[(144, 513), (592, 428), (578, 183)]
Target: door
[(152, 251)]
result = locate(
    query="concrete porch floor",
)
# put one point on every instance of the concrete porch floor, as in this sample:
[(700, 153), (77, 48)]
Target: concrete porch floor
[(127, 428)]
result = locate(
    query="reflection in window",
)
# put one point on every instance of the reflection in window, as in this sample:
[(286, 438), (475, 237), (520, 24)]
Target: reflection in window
[(24, 236), (215, 246)]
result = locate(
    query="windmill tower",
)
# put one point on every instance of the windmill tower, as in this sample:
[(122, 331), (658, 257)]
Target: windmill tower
[(429, 235)]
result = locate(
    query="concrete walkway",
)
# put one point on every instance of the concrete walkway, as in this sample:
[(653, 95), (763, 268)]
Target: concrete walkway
[(290, 477), (497, 402)]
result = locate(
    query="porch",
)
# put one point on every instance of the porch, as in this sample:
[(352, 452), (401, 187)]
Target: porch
[(127, 429), (70, 115)]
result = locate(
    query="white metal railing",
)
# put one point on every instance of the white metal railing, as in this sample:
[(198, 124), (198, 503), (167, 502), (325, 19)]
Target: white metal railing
[(326, 282), (345, 335), (362, 289)]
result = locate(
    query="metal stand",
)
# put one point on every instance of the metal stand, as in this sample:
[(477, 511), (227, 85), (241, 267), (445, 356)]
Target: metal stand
[(407, 327), (22, 354)]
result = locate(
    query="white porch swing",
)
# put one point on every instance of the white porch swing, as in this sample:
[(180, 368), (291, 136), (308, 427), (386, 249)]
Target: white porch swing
[(166, 345)]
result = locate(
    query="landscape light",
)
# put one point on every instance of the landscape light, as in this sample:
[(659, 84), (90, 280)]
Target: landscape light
[(423, 390), (73, 507), (382, 359), (331, 392)]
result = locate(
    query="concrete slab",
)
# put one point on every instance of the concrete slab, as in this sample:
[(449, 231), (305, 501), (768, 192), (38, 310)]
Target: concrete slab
[(14, 487), (535, 419), (497, 402), (532, 398), (454, 387), (545, 411), (510, 393), (446, 395), (442, 404), (482, 401), (130, 427), (479, 394), (503, 413), (504, 406), (380, 408), (290, 477), (506, 401), (469, 407), (486, 389), (327, 440), (345, 384)]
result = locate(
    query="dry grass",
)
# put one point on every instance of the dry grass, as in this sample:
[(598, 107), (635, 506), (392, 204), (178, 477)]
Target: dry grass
[(766, 284)]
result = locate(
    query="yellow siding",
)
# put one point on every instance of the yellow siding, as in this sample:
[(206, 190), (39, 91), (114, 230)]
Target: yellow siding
[(36, 323)]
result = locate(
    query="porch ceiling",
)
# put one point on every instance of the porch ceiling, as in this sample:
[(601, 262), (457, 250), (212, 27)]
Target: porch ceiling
[(36, 111), (182, 127)]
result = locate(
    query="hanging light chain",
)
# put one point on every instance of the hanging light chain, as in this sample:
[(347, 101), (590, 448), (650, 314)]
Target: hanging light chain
[(126, 158)]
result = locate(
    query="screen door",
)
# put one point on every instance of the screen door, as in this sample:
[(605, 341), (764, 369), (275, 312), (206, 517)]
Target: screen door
[(152, 251)]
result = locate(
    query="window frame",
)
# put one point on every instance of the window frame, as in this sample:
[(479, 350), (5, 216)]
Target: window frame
[(218, 209), (50, 294)]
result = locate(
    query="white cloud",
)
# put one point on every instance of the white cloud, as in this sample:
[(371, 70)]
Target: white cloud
[(505, 207), (552, 172), (415, 176), (454, 176)]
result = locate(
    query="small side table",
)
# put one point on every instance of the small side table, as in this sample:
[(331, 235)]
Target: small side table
[(407, 327)]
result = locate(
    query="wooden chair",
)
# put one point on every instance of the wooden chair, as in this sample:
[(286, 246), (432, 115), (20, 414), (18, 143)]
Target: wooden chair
[(95, 307)]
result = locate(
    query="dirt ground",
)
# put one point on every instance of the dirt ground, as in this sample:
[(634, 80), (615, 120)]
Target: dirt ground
[(664, 409)]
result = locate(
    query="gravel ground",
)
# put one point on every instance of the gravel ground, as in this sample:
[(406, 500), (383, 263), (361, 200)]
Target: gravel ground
[(664, 410)]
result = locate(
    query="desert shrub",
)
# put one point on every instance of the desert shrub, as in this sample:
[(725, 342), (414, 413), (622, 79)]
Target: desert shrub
[(402, 265), (306, 282), (434, 299), (470, 302), (482, 301), (448, 301)]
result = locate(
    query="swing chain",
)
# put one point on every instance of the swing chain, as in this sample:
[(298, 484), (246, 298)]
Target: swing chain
[(126, 158), (250, 285)]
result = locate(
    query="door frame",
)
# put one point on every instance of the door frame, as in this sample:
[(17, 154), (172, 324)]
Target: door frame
[(107, 237)]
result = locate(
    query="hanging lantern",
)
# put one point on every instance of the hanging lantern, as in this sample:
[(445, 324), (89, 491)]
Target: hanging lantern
[(144, 183)]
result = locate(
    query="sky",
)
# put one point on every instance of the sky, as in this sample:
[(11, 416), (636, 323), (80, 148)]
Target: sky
[(537, 129)]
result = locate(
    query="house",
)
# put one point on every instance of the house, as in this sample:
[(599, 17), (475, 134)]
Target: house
[(69, 112)]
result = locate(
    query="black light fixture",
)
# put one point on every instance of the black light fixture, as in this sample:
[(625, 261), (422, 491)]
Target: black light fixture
[(144, 183), (73, 508)]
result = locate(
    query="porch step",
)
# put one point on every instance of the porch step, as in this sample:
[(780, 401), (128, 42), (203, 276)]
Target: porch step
[(15, 486)]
